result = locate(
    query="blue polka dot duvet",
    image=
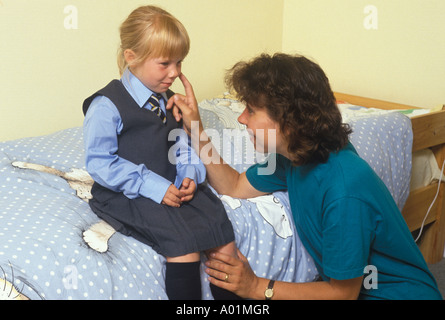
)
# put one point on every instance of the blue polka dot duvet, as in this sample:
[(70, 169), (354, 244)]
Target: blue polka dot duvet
[(43, 253)]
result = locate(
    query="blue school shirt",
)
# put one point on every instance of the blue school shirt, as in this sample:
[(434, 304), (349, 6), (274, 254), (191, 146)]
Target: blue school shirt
[(102, 126), (350, 225)]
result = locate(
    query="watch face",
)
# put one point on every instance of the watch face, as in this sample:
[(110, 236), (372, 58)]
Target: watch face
[(268, 293)]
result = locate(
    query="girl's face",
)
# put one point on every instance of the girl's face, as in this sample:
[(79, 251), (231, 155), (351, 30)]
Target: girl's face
[(264, 132), (158, 74)]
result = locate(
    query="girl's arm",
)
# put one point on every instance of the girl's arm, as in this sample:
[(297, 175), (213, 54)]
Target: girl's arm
[(188, 164)]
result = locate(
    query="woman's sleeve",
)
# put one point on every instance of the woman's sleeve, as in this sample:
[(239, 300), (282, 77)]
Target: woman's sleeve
[(268, 176)]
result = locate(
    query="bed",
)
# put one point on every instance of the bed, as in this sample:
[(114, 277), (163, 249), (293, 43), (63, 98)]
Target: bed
[(43, 254)]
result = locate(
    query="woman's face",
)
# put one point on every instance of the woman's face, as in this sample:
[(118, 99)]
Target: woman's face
[(264, 132)]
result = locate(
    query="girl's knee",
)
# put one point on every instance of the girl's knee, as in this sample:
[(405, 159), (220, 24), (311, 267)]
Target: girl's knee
[(191, 257), (229, 249)]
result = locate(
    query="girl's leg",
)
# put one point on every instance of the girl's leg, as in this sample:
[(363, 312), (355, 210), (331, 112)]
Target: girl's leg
[(217, 292), (182, 277), (229, 249)]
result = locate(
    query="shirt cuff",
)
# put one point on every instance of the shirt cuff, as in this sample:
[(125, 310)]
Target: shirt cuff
[(154, 187), (187, 171)]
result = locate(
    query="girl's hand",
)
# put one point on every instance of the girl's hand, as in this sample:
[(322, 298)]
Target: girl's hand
[(172, 197), (187, 189), (233, 274), (185, 107)]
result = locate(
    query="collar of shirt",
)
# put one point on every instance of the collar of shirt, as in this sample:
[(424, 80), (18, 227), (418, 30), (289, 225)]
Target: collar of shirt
[(138, 91)]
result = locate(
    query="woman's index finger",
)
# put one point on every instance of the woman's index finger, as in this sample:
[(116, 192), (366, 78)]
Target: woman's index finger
[(187, 86)]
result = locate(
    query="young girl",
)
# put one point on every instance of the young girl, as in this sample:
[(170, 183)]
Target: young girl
[(137, 190)]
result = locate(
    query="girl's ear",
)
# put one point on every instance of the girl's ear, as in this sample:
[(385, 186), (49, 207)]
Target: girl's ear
[(129, 56)]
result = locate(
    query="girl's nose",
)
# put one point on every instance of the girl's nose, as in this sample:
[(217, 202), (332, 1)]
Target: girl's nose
[(175, 71)]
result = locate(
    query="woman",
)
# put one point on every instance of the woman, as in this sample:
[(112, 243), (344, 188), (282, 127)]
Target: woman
[(343, 213)]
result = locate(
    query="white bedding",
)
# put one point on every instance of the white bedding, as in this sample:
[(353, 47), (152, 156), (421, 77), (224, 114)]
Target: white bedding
[(425, 169)]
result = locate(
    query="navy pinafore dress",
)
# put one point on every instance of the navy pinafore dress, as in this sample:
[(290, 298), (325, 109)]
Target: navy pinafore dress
[(197, 225)]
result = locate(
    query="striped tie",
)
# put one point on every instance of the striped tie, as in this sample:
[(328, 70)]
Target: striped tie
[(155, 106)]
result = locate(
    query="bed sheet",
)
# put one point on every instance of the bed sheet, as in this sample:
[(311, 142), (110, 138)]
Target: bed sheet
[(43, 255), (425, 169)]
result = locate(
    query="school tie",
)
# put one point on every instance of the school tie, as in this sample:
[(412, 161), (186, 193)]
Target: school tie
[(156, 107)]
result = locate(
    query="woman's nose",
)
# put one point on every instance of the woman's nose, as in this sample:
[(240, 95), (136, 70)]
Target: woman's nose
[(243, 117)]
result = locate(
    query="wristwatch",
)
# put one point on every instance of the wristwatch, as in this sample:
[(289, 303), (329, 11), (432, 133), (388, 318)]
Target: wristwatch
[(269, 291)]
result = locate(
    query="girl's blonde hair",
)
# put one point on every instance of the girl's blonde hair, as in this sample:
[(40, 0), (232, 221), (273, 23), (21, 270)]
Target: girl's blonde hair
[(151, 32)]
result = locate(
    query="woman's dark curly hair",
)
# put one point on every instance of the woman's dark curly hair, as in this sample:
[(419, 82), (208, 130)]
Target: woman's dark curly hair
[(296, 94)]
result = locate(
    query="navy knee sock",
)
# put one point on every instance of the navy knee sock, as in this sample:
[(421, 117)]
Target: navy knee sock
[(183, 280), (223, 294)]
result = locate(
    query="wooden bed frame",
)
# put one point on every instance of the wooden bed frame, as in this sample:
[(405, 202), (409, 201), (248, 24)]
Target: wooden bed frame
[(428, 132)]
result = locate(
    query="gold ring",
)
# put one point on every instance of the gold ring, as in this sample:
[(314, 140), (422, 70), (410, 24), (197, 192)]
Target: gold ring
[(226, 279)]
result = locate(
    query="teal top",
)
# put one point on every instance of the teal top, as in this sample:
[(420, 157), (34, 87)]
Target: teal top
[(350, 225)]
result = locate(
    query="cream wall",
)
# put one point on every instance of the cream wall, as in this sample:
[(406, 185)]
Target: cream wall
[(54, 53), (403, 60)]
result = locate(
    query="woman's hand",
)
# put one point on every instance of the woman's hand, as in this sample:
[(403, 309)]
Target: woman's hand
[(185, 107), (233, 274)]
